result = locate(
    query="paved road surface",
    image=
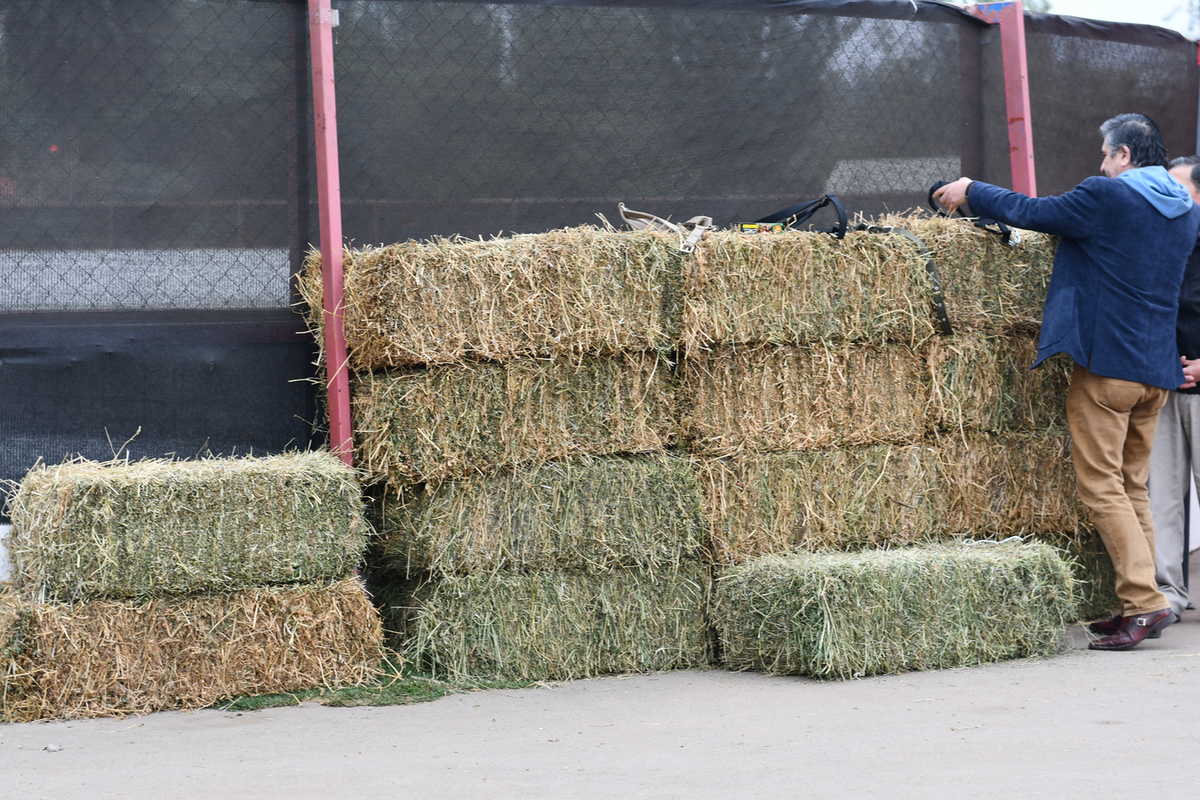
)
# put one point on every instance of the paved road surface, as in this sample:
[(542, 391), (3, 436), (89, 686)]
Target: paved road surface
[(1083, 724)]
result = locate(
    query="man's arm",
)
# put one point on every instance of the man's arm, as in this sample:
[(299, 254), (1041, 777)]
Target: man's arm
[(1072, 215)]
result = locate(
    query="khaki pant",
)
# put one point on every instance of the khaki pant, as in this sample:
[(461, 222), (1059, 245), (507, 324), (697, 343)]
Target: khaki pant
[(1112, 426)]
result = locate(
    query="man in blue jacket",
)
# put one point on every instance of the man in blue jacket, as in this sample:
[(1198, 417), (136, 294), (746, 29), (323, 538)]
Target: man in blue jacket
[(1111, 307)]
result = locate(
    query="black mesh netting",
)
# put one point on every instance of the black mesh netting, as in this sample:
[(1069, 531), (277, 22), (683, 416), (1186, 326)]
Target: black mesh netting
[(1081, 74), (156, 175), (468, 118), (153, 180), (152, 153)]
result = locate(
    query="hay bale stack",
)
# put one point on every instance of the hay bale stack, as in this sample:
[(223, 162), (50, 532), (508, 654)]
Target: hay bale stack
[(587, 514), (990, 287), (106, 657), (559, 570), (564, 293), (559, 626), (796, 287), (845, 615), (822, 395), (467, 419), (983, 383), (86, 530)]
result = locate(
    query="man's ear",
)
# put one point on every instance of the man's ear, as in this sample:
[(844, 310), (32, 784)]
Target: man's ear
[(1125, 153)]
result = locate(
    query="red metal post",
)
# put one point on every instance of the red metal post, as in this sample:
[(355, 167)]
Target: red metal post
[(1010, 16), (321, 20)]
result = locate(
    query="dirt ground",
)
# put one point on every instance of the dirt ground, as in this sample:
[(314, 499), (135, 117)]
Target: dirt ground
[(1083, 724)]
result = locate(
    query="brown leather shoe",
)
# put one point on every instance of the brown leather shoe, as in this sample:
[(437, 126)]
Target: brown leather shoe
[(1133, 630), (1106, 627)]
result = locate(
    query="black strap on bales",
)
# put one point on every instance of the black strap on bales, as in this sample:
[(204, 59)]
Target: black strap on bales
[(801, 212), (937, 295), (985, 223)]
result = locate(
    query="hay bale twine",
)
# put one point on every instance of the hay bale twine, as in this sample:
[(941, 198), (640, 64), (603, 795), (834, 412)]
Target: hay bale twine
[(847, 615), (85, 529)]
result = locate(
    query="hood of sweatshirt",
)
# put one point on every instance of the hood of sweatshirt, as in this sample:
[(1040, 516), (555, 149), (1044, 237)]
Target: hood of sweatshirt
[(1159, 189)]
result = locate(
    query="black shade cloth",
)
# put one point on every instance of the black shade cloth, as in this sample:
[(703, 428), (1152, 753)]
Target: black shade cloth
[(156, 181), (219, 381)]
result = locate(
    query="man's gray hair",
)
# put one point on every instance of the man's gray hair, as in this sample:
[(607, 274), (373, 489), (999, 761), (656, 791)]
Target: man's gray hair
[(1140, 134)]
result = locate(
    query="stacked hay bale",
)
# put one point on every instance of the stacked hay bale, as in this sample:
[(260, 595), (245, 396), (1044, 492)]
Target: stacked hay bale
[(515, 401), (828, 412), (150, 585), (530, 407)]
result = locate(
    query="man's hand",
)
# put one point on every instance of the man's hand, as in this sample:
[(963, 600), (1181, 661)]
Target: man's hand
[(1191, 372), (952, 195)]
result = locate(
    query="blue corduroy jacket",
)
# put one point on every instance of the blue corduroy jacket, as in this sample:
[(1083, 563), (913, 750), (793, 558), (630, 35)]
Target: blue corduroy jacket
[(1114, 292)]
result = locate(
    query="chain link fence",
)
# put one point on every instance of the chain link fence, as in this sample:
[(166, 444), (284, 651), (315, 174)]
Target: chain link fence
[(475, 119), (154, 153)]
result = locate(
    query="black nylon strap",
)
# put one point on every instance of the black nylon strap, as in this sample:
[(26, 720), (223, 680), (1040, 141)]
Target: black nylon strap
[(794, 215), (937, 295), (984, 223)]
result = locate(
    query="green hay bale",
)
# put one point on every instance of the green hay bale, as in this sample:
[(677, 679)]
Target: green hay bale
[(1095, 580), (889, 495), (984, 383), (847, 615), (562, 293), (559, 626), (455, 421), (799, 287), (989, 287), (588, 514), (85, 529), (790, 398), (109, 658)]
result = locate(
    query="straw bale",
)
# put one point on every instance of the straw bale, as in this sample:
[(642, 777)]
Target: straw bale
[(984, 383), (767, 503), (590, 514), (799, 287), (86, 529), (559, 626), (791, 398), (460, 420), (989, 286), (846, 615), (1009, 484), (887, 495), (565, 292), (107, 657)]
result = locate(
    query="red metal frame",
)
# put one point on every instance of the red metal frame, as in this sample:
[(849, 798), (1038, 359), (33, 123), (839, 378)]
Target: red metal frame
[(329, 202), (1010, 16)]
